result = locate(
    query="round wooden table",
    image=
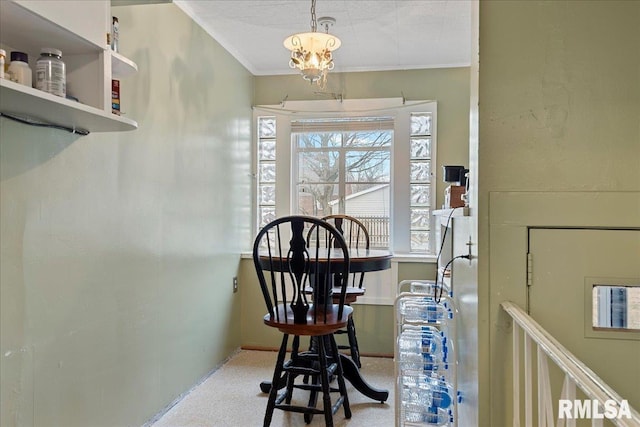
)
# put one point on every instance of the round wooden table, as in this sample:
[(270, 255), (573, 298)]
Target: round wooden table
[(361, 260)]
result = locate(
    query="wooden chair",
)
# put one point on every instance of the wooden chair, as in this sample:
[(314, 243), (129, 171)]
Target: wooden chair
[(356, 236), (285, 265)]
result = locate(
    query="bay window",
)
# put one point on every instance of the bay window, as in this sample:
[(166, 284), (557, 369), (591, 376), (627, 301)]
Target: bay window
[(372, 159)]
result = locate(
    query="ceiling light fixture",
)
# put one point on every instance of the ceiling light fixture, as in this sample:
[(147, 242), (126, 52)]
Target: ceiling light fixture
[(311, 52)]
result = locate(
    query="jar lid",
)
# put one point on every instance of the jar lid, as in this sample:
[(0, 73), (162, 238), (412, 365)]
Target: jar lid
[(19, 56), (51, 51)]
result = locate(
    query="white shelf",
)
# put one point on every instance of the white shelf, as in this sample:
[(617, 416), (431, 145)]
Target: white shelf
[(25, 101), (25, 30), (451, 211), (91, 65), (121, 66), (443, 216)]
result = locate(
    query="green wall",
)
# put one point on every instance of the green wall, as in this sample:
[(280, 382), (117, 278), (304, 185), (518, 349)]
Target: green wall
[(118, 249), (559, 90)]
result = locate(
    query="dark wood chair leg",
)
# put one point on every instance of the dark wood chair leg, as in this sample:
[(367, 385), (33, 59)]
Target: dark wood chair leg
[(313, 400), (341, 384), (324, 380), (273, 393), (291, 377)]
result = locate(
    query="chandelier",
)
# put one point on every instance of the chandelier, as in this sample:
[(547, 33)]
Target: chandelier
[(311, 52)]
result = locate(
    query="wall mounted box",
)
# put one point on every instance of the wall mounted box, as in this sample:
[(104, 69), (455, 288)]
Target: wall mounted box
[(453, 196)]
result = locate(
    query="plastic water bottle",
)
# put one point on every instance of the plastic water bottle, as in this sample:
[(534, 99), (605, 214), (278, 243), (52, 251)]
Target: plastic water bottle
[(431, 415), (425, 309), (420, 342)]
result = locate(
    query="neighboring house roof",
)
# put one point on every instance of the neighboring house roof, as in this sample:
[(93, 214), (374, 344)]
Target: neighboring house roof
[(361, 193)]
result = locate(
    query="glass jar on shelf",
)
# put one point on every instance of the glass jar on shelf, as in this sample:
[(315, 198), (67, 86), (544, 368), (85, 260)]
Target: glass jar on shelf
[(19, 70), (51, 74)]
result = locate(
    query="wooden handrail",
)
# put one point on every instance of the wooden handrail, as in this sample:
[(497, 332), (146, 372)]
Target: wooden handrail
[(592, 385)]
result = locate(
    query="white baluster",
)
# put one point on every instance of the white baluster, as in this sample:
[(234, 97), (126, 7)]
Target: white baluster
[(516, 375), (545, 407), (568, 392), (528, 398)]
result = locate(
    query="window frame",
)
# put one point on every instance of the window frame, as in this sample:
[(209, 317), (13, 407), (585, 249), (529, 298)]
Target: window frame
[(398, 108)]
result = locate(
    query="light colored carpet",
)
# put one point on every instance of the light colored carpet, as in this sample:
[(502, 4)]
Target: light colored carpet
[(231, 397)]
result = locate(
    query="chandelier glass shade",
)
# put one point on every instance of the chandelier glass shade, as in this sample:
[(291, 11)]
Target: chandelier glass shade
[(311, 52)]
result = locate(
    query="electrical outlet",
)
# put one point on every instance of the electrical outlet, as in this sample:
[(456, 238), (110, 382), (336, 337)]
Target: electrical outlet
[(235, 285)]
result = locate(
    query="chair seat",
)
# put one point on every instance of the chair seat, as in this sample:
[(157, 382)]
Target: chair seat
[(286, 325), (350, 296)]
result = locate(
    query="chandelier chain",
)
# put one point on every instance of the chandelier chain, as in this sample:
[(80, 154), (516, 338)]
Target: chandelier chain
[(314, 23)]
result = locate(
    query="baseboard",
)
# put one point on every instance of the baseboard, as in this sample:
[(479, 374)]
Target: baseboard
[(166, 409)]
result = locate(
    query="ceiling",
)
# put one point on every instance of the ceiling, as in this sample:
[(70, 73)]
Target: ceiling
[(376, 34)]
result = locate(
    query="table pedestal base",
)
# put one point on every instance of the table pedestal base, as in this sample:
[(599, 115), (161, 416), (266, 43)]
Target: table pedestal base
[(352, 374)]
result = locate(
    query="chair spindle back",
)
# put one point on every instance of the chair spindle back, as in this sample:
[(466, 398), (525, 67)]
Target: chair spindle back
[(288, 256)]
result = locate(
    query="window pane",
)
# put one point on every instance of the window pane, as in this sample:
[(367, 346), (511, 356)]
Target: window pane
[(367, 199), (616, 307), (318, 166), (420, 148), (267, 172), (419, 175), (318, 140), (420, 171), (267, 149), (266, 168), (268, 194), (318, 199), (420, 241), (421, 124), (354, 189), (368, 166), (377, 226), (420, 194), (368, 139), (267, 127), (267, 214), (420, 218), (370, 203)]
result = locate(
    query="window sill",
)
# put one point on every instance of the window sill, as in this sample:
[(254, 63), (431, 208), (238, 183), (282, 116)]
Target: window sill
[(411, 257)]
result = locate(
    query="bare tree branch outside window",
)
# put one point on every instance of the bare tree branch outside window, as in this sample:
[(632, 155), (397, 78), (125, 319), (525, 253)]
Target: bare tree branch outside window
[(361, 158)]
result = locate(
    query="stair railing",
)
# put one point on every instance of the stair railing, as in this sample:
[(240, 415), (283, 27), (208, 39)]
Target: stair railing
[(576, 374)]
